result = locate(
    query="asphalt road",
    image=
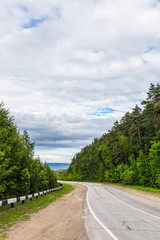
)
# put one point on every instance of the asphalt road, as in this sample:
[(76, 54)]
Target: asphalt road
[(114, 214)]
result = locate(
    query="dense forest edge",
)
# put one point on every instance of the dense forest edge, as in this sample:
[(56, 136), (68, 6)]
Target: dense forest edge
[(129, 153), (20, 172)]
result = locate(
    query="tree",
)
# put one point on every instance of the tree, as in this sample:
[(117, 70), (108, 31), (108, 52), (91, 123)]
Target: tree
[(125, 144), (136, 118), (43, 180), (50, 176), (20, 172), (25, 181), (154, 157), (143, 167), (129, 152)]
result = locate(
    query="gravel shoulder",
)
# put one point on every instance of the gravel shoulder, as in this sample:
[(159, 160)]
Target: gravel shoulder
[(63, 219)]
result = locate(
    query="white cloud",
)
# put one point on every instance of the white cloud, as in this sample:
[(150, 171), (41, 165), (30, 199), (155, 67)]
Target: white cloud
[(55, 158), (63, 61)]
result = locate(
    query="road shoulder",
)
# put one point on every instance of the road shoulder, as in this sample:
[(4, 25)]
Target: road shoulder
[(63, 219)]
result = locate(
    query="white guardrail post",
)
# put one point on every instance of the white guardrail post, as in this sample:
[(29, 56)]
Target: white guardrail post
[(30, 196)]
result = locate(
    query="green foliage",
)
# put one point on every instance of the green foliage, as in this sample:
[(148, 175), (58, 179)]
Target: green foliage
[(25, 181), (20, 173), (154, 158), (100, 172), (129, 153), (43, 180), (60, 174), (51, 178), (126, 146), (143, 167), (129, 176)]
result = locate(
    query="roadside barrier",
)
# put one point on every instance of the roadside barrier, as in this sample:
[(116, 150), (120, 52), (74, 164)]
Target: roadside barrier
[(30, 196)]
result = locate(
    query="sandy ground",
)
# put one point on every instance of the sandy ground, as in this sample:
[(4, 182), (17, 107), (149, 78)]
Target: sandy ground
[(63, 219)]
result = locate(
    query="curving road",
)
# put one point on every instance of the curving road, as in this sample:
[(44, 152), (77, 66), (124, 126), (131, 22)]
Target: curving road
[(114, 214)]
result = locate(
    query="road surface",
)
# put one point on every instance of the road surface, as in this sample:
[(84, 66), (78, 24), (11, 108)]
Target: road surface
[(114, 214)]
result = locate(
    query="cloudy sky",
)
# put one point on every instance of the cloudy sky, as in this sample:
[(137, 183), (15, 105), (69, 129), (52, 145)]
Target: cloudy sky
[(70, 68)]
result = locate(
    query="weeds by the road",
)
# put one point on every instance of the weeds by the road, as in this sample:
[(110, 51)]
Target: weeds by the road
[(8, 215)]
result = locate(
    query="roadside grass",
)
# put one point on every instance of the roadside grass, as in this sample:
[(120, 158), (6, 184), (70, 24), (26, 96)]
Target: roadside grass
[(141, 188), (21, 212)]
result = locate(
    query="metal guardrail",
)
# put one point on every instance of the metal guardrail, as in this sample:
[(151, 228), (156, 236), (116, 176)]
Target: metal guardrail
[(30, 196)]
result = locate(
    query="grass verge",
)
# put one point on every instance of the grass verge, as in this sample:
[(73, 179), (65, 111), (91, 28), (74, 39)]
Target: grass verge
[(145, 189), (21, 212)]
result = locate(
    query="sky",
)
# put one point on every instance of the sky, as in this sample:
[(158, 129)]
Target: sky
[(70, 68)]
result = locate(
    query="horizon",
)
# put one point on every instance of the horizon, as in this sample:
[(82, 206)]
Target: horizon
[(70, 69), (58, 163)]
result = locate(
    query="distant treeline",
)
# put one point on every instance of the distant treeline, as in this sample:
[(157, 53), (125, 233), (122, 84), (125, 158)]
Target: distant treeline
[(20, 172), (129, 153)]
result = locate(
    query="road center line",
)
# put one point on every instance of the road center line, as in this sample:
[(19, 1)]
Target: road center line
[(106, 229), (150, 214)]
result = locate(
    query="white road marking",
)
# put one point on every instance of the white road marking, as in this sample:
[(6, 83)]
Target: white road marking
[(132, 206), (106, 229)]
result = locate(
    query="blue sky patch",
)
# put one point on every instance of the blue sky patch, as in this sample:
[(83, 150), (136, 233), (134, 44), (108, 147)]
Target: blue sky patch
[(149, 49), (34, 22), (24, 8), (102, 111)]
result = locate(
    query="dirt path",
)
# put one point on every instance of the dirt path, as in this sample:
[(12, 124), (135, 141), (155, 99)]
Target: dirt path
[(63, 219)]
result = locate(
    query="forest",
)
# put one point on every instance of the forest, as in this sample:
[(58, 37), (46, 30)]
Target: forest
[(20, 172), (129, 153)]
